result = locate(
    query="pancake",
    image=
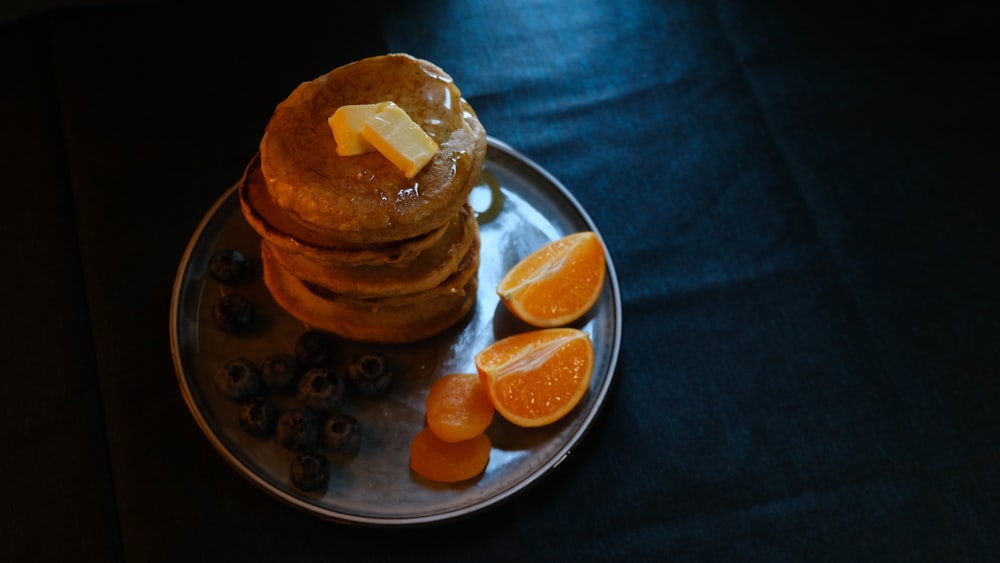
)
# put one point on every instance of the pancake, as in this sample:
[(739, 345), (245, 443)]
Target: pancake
[(277, 228), (365, 199), (431, 268), (390, 320), (349, 244)]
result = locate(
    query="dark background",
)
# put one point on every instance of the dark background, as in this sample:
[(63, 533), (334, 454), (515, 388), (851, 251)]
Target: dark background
[(801, 204)]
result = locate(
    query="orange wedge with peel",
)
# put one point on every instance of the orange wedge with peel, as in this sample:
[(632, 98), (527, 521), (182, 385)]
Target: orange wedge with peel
[(537, 377), (557, 283)]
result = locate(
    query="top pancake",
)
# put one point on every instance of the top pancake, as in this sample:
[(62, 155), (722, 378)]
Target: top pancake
[(365, 199)]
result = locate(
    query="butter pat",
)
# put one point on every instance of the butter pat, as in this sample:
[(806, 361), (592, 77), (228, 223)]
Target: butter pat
[(346, 124), (391, 131)]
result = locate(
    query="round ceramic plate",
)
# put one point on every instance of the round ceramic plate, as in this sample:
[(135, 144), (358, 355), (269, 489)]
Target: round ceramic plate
[(520, 207)]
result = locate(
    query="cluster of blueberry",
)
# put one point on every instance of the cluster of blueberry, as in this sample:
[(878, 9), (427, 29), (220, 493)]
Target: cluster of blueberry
[(234, 312), (320, 389)]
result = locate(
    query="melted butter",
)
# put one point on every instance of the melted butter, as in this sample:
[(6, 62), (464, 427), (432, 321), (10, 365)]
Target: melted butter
[(435, 75), (446, 102), (431, 99), (408, 194), (486, 187), (442, 94)]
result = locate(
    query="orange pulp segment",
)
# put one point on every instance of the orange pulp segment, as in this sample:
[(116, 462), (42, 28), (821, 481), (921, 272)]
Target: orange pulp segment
[(458, 408), (557, 283), (535, 378), (448, 462)]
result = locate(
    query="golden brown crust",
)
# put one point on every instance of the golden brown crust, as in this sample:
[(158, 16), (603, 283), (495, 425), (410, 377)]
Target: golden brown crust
[(392, 320), (274, 226), (365, 199), (431, 268), (349, 244)]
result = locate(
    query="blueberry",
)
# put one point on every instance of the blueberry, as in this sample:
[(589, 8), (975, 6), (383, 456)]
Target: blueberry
[(238, 378), (322, 390), (278, 371), (228, 266), (298, 430), (312, 348), (370, 373), (310, 471), (233, 313), (258, 416), (342, 434)]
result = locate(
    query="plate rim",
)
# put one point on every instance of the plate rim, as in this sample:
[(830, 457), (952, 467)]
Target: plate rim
[(544, 469)]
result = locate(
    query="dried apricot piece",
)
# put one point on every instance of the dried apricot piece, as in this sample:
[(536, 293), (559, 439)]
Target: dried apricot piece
[(535, 378), (557, 283), (448, 462), (458, 407)]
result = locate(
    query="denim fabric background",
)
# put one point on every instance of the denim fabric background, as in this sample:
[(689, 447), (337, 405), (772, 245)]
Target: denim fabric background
[(800, 202)]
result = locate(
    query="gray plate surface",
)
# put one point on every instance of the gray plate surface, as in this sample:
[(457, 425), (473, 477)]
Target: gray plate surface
[(376, 487)]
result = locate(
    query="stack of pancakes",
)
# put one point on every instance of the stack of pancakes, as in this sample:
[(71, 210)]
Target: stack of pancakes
[(350, 244)]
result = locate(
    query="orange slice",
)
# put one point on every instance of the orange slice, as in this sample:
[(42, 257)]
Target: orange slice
[(458, 407), (448, 462), (535, 378), (557, 283)]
